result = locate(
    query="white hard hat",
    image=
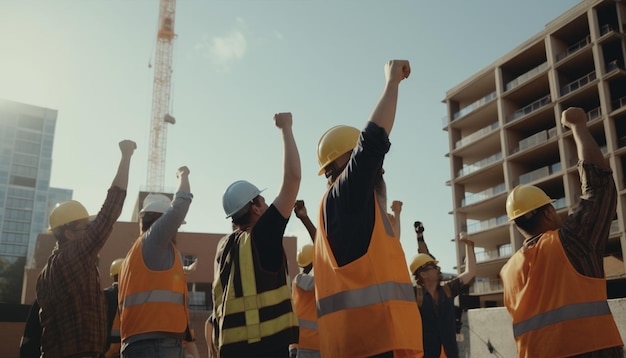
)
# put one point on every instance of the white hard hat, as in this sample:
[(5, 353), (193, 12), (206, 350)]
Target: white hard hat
[(238, 195), (156, 203)]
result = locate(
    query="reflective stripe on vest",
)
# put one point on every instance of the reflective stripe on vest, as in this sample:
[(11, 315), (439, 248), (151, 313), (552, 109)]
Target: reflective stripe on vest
[(305, 323), (370, 295), (154, 296), (254, 332), (573, 311)]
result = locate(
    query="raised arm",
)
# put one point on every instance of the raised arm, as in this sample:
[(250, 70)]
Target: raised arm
[(291, 166), (183, 179), (127, 147), (470, 259), (300, 210), (422, 248), (396, 209), (384, 112), (587, 148)]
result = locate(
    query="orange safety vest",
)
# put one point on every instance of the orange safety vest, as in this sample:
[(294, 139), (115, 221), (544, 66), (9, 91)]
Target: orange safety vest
[(115, 347), (152, 301), (304, 305), (556, 311), (366, 307)]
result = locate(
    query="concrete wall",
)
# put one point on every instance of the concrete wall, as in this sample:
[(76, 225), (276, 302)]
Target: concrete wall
[(494, 325)]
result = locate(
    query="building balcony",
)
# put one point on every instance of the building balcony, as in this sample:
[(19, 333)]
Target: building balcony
[(542, 102), (467, 169), (540, 173), (476, 226), (478, 134), (483, 195), (535, 139), (574, 48), (490, 255), (485, 285), (572, 86), (618, 103), (526, 76), (474, 106)]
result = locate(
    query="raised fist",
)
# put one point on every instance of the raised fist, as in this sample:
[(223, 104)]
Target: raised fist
[(419, 227)]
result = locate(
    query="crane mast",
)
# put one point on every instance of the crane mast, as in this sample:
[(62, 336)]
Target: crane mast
[(160, 116)]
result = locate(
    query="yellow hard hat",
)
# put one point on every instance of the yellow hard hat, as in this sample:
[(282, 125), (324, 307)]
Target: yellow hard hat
[(420, 260), (524, 199), (334, 143), (115, 266), (305, 255), (66, 212)]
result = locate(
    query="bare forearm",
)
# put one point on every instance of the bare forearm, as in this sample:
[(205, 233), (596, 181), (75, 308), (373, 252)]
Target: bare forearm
[(422, 248), (291, 174), (310, 228), (384, 112)]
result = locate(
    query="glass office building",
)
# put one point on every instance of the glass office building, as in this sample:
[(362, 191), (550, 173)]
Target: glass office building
[(26, 139)]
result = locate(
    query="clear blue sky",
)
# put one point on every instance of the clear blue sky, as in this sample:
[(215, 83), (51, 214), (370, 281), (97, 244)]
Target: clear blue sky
[(236, 63)]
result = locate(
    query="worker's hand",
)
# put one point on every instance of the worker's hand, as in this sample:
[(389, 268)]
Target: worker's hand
[(127, 147), (573, 117), (299, 209), (283, 120), (182, 171), (397, 70), (419, 227), (464, 238), (396, 207)]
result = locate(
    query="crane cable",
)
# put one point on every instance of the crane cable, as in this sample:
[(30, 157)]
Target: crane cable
[(490, 346)]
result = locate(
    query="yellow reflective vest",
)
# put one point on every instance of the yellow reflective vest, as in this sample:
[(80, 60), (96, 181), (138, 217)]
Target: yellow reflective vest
[(251, 307)]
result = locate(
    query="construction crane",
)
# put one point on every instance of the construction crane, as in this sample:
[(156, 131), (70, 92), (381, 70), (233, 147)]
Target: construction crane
[(161, 117)]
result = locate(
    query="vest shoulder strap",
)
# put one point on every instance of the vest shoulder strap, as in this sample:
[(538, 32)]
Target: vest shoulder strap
[(419, 294)]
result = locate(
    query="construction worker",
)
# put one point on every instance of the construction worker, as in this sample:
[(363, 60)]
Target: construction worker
[(308, 345), (303, 293), (113, 345), (153, 289), (554, 285), (250, 265), (435, 298), (73, 308), (365, 299), (30, 344)]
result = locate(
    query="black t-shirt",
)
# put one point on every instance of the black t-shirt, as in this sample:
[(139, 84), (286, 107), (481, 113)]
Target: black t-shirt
[(350, 207)]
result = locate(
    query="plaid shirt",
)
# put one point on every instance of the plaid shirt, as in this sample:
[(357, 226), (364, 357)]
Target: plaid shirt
[(73, 308)]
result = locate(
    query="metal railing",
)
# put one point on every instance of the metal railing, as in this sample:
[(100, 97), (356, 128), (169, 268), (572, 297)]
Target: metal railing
[(475, 105), (479, 133), (526, 76), (574, 85), (544, 101), (574, 48), (485, 194), (470, 168)]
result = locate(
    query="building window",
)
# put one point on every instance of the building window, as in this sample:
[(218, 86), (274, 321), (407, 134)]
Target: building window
[(188, 259)]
